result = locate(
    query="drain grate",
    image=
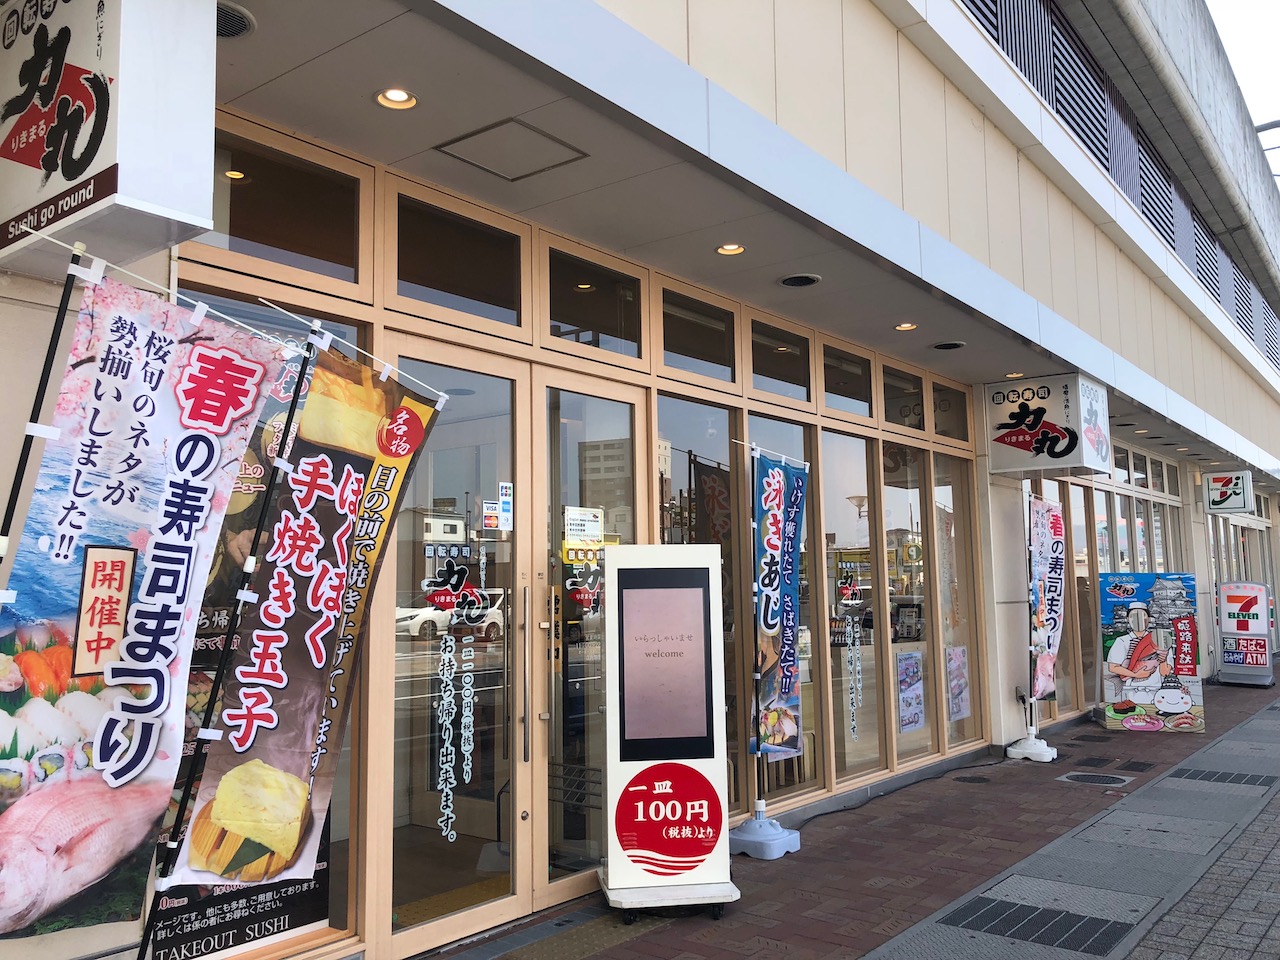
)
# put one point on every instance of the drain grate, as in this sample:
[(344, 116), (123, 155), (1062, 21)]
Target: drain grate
[(1136, 766), (973, 779), (1100, 779), (1053, 928), (1224, 776), (1095, 761)]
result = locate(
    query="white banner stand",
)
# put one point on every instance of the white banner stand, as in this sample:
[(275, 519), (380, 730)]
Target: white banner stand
[(666, 781)]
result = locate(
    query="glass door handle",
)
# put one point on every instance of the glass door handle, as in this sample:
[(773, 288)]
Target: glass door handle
[(528, 669)]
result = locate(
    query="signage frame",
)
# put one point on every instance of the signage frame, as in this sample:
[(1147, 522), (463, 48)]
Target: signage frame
[(632, 881), (1228, 492), (1056, 424), (1245, 653)]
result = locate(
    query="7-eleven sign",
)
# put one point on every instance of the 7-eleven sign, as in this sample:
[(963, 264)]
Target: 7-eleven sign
[(1244, 609)]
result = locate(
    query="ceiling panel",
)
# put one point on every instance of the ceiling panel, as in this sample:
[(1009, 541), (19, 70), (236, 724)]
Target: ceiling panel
[(663, 203), (291, 32), (459, 87), (770, 239), (613, 154)]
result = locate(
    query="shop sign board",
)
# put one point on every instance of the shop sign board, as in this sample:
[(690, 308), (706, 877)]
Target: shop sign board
[(1228, 492), (1051, 423), (666, 782), (106, 127), (1150, 651), (1244, 627)]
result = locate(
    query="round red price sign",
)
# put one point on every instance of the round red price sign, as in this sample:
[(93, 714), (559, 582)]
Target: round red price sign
[(668, 819)]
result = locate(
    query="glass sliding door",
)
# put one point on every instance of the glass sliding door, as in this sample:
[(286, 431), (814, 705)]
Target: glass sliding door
[(853, 581)]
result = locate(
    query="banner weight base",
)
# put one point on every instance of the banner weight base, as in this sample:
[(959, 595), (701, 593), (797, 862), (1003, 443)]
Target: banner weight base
[(495, 857), (763, 839), (1031, 748)]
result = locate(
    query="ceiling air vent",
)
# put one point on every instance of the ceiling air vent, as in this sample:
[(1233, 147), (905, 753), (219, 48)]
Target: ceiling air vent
[(234, 21)]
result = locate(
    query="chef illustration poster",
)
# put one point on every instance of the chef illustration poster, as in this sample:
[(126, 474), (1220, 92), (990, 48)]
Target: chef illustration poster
[(1149, 653), (264, 796), (154, 413)]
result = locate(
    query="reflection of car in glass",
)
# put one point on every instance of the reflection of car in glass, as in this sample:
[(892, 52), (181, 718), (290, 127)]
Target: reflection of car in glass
[(427, 623)]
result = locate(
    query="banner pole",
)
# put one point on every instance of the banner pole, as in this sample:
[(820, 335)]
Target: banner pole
[(51, 354), (759, 837), (164, 867)]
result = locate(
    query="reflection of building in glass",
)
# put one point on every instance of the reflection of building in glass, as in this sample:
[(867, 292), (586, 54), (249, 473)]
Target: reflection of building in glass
[(606, 471)]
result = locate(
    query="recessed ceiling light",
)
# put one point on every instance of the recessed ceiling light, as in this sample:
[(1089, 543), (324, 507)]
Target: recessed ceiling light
[(233, 174), (730, 249), (905, 326), (584, 287), (949, 345), (1182, 449), (1143, 430), (1215, 463), (1126, 424), (1014, 376), (394, 98), (800, 280)]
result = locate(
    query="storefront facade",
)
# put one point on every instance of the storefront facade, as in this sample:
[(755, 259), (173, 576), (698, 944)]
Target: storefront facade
[(611, 353), (589, 381)]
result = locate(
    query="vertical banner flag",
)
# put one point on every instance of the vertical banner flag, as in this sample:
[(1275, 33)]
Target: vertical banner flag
[(778, 513), (153, 417), (264, 796), (1048, 593), (1151, 683)]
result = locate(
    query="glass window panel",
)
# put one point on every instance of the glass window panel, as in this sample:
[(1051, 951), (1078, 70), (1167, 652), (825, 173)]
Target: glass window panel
[(847, 381), (953, 519), (907, 568), (591, 457), (1103, 529), (1157, 475), (1142, 554), (1171, 477), (1139, 478), (697, 481), (1172, 531), (594, 305), (788, 776), (273, 322), (903, 398), (697, 337), (1159, 556), (469, 452), (1124, 517), (283, 209), (779, 361), (450, 261), (1120, 464), (950, 413), (1082, 541), (852, 584)]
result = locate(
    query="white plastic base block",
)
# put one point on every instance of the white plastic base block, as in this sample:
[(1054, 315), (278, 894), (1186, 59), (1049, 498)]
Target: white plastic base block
[(1031, 748), (495, 857), (676, 894), (763, 839)]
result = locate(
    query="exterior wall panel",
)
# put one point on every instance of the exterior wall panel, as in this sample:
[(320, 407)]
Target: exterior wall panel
[(810, 74), (924, 139)]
